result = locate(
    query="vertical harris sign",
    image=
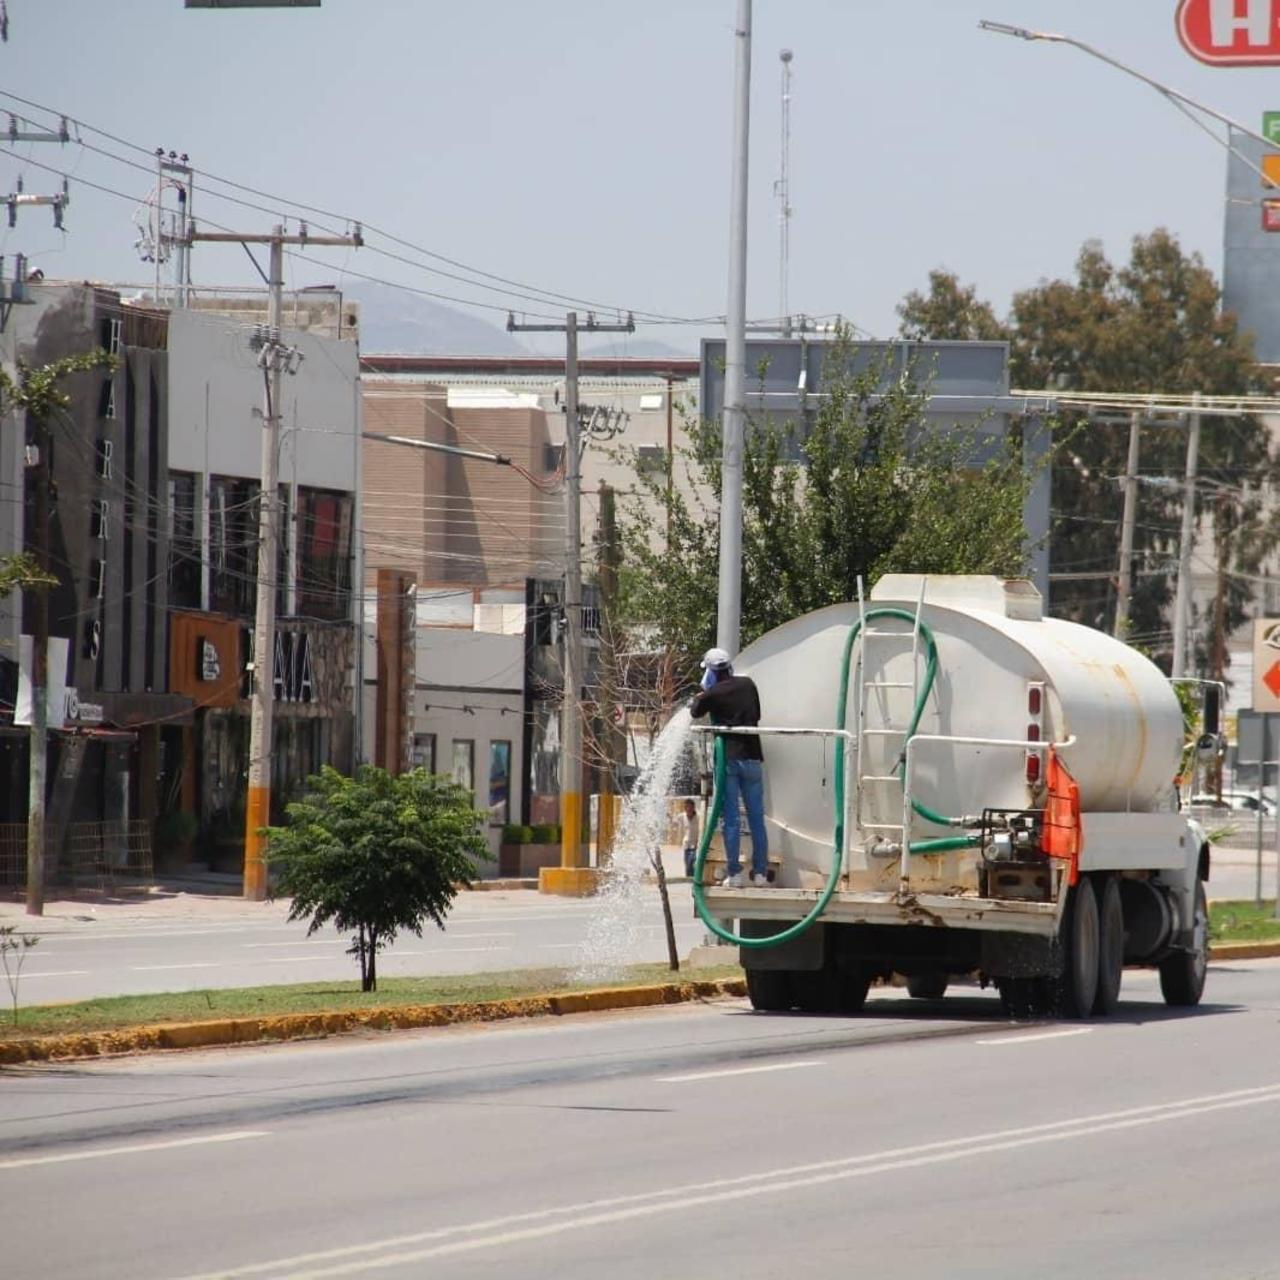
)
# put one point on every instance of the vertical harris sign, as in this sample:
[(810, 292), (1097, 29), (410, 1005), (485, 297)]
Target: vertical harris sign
[(1230, 33)]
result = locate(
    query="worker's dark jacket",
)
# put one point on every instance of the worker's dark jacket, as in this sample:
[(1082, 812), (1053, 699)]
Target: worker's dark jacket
[(732, 702)]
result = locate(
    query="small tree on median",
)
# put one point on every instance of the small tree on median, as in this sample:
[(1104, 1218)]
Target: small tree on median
[(375, 854)]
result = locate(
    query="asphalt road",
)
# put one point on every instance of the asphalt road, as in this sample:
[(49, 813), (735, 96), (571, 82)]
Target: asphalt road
[(917, 1140), (126, 951)]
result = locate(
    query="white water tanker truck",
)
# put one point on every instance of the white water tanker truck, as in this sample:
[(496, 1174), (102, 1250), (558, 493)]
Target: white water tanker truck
[(958, 785)]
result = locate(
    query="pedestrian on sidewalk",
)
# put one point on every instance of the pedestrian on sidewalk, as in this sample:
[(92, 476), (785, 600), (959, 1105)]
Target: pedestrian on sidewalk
[(691, 829)]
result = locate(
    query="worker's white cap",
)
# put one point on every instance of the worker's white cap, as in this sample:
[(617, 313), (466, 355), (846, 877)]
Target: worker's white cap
[(716, 658)]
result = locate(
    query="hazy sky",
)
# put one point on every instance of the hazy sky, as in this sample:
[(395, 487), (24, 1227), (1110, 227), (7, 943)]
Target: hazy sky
[(583, 145)]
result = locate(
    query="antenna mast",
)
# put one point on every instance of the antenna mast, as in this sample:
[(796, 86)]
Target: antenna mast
[(782, 189)]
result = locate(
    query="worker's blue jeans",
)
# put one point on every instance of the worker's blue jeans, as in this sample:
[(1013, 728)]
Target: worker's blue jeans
[(745, 778)]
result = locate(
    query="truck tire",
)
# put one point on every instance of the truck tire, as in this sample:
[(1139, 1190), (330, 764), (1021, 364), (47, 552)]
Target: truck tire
[(1182, 974), (769, 990), (1110, 946), (1076, 986), (927, 986)]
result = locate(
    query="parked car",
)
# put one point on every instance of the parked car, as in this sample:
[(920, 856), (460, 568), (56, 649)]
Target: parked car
[(1234, 802)]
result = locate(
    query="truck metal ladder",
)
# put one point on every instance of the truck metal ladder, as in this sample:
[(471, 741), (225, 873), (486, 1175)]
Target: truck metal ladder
[(878, 797)]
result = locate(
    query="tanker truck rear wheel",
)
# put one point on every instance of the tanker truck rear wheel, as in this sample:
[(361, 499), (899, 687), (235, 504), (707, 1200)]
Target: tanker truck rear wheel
[(1076, 986), (770, 990), (1182, 974), (1110, 946), (927, 986)]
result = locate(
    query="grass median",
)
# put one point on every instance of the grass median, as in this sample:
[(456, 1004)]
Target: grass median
[(1243, 921), (115, 1013)]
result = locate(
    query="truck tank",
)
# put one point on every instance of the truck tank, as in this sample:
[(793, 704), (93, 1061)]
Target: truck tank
[(1004, 671)]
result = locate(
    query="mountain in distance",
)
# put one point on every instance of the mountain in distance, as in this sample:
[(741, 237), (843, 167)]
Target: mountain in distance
[(625, 344), (397, 322)]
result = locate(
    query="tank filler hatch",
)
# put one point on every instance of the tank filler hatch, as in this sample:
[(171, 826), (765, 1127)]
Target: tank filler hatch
[(1009, 597)]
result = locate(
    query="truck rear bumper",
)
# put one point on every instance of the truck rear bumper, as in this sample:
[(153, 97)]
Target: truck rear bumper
[(934, 910)]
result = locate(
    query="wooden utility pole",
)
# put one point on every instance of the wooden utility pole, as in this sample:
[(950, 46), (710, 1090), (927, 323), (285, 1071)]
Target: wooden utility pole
[(572, 877), (274, 358)]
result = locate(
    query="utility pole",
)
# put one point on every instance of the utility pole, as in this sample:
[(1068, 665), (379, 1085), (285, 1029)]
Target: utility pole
[(1125, 588), (671, 462), (572, 877), (39, 753), (1182, 597), (729, 609), (274, 358)]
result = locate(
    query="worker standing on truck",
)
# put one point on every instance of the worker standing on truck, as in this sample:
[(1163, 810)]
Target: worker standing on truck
[(734, 702)]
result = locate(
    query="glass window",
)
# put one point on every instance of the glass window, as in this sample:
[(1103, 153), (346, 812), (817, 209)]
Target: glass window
[(499, 783), (324, 554), (184, 541), (233, 544), (464, 763), (424, 752)]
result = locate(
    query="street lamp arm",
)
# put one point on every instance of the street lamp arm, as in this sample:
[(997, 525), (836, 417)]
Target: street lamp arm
[(1023, 33), (500, 458)]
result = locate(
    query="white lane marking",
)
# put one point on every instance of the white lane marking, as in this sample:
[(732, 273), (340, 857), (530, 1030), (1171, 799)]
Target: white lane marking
[(157, 968), (643, 1204), (25, 1162), (332, 955), (736, 1071), (307, 942), (56, 973), (510, 933), (560, 946), (1015, 1038)]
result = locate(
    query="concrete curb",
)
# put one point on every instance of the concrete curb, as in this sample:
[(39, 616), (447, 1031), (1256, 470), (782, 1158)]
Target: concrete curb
[(303, 1026), (1244, 950)]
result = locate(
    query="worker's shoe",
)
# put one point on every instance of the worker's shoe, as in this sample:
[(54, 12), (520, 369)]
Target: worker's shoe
[(732, 882), (759, 881)]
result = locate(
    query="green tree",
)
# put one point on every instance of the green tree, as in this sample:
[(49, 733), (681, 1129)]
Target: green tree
[(866, 491), (949, 310), (1153, 325), (375, 854)]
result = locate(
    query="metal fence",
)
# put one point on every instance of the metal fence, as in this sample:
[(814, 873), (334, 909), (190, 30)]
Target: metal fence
[(99, 852)]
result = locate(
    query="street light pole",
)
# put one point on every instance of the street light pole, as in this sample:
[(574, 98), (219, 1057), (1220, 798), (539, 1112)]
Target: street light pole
[(729, 611), (1124, 587)]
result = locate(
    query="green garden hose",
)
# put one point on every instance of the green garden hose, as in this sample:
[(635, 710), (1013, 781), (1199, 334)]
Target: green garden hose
[(940, 845)]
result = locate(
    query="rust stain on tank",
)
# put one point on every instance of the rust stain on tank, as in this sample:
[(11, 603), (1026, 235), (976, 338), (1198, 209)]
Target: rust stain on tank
[(1140, 756)]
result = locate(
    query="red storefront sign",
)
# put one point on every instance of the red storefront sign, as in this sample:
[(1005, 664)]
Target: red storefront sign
[(1231, 33)]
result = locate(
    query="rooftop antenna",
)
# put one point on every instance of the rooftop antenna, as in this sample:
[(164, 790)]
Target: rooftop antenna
[(782, 189)]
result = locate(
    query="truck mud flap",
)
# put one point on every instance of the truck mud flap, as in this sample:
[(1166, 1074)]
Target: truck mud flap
[(1019, 955)]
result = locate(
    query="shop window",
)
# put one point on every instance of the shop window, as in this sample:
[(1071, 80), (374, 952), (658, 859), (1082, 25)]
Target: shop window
[(324, 554), (184, 541), (464, 763), (499, 783)]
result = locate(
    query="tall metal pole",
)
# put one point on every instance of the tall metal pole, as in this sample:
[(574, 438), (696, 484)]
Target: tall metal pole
[(784, 195), (38, 754), (1182, 597), (729, 611), (258, 798), (571, 713), (1125, 588)]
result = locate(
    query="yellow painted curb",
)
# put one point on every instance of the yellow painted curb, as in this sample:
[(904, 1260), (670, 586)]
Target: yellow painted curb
[(301, 1026), (1244, 950)]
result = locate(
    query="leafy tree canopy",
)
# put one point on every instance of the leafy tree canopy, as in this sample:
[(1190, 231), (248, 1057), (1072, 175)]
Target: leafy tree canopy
[(1153, 325), (864, 492), (375, 854)]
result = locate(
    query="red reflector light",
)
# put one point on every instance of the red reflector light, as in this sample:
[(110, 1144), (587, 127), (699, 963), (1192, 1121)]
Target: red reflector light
[(1033, 766), (1033, 700), (1033, 733)]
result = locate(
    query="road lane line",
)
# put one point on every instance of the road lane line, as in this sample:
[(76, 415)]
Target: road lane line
[(694, 1195), (26, 1162), (157, 968), (306, 942), (1015, 1038), (736, 1071), (56, 973)]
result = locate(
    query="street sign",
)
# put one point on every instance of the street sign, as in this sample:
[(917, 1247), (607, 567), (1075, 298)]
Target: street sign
[(1230, 33), (1266, 664), (1271, 215), (1271, 127), (1270, 169)]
